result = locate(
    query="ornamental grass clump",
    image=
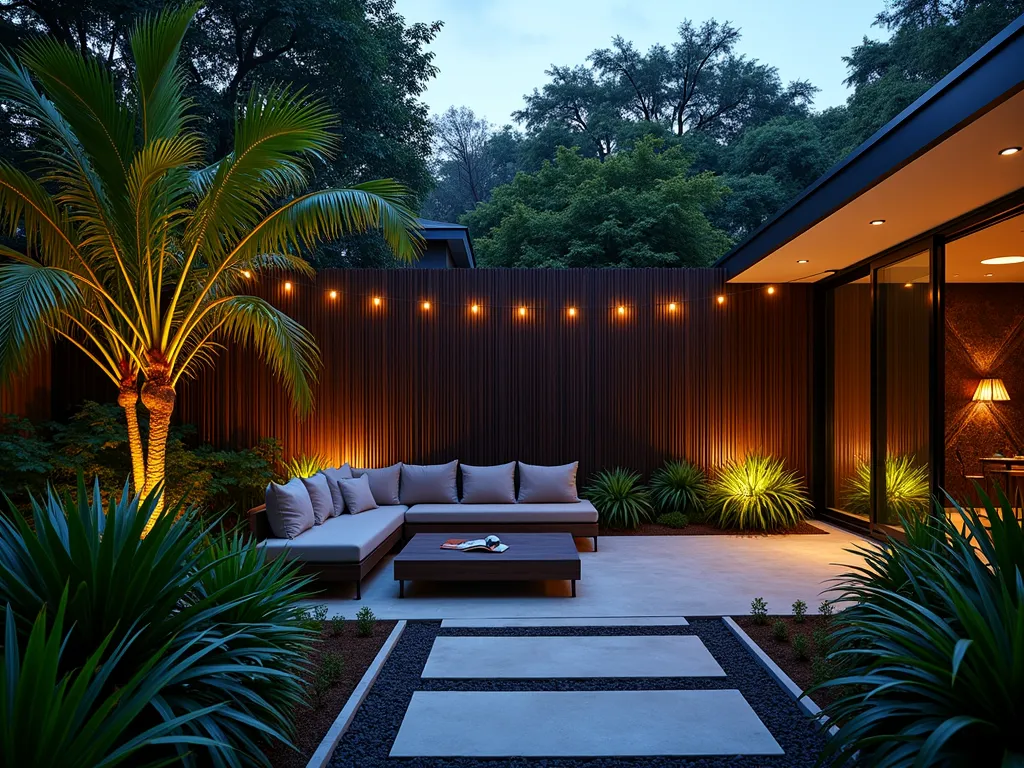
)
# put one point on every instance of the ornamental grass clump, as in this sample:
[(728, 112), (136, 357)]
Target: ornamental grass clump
[(906, 488), (620, 498), (215, 629), (757, 494), (680, 487), (307, 465), (931, 645)]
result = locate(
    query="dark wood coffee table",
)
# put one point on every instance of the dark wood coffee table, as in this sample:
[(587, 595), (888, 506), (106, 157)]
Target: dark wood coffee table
[(529, 557)]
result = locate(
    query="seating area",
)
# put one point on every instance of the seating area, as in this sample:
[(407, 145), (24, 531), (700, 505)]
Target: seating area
[(342, 521)]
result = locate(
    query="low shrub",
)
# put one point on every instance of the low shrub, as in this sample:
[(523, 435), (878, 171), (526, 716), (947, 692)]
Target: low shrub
[(799, 611), (821, 669), (162, 597), (680, 487), (822, 640), (780, 631), (327, 675), (906, 488), (365, 621), (759, 610), (801, 649), (826, 610), (931, 644), (673, 520), (757, 493), (620, 498)]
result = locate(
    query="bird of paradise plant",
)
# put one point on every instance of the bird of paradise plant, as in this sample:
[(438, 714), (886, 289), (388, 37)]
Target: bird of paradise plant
[(136, 251)]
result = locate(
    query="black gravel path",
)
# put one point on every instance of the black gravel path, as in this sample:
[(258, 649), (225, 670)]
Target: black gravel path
[(369, 739)]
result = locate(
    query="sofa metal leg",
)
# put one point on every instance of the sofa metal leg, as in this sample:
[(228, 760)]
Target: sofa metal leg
[(595, 543), (359, 590)]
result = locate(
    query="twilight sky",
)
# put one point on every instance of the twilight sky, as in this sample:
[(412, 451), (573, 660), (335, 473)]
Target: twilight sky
[(492, 52)]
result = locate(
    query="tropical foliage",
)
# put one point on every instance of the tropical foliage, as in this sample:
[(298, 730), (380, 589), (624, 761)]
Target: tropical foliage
[(906, 488), (197, 637), (679, 486), (757, 493), (931, 646), (620, 498), (137, 251)]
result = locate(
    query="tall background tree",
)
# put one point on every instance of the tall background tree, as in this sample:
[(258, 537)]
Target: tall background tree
[(136, 250), (358, 55)]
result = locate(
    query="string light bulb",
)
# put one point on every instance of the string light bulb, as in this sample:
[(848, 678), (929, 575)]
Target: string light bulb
[(621, 310), (572, 311), (333, 295), (246, 274), (522, 311), (475, 309), (672, 306), (771, 290), (426, 306), (376, 301), (287, 285), (720, 299)]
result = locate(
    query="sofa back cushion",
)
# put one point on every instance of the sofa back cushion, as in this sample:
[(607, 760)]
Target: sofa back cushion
[(383, 483), (357, 493), (489, 485), (289, 509), (547, 485), (429, 483), (319, 490), (333, 475)]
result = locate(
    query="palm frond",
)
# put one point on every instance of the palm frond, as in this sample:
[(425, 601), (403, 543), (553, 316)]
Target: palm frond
[(159, 83), (32, 300), (27, 210), (288, 348)]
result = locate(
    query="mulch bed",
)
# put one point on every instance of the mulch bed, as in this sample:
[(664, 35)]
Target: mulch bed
[(313, 722), (781, 652), (703, 529)]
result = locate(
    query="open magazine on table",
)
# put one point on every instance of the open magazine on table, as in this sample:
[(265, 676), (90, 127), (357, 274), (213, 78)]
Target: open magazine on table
[(487, 544)]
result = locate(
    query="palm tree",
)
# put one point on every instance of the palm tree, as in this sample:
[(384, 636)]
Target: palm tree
[(138, 253)]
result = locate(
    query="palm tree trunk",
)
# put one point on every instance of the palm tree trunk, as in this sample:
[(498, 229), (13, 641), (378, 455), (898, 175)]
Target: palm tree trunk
[(128, 398), (158, 397)]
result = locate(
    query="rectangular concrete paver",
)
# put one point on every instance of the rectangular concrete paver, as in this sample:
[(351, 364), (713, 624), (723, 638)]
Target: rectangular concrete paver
[(581, 724), (582, 621), (570, 657)]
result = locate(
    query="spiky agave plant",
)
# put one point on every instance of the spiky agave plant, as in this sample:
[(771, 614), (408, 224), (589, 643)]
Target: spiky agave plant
[(679, 486), (139, 253), (930, 649), (620, 498), (173, 588), (307, 465), (757, 493), (906, 488)]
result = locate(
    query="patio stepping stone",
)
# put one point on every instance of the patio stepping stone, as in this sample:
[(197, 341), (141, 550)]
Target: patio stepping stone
[(596, 621), (570, 657), (581, 724)]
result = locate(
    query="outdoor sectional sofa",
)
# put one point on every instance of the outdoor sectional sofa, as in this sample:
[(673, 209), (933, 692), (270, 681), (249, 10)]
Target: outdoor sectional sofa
[(343, 521)]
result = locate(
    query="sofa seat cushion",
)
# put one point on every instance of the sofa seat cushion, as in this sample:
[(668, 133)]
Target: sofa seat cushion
[(345, 539), (488, 514)]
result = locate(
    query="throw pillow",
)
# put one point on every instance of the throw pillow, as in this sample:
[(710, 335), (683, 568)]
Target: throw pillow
[(489, 485), (358, 497), (547, 485), (289, 509), (319, 490), (383, 483), (343, 472), (429, 483)]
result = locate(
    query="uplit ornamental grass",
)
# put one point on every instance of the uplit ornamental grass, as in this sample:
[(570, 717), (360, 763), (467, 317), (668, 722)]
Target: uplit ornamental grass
[(906, 488), (679, 486), (620, 498), (757, 494), (307, 465), (229, 619), (931, 649)]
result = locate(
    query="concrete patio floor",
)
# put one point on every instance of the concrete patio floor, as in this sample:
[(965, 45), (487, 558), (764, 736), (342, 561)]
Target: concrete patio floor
[(630, 576)]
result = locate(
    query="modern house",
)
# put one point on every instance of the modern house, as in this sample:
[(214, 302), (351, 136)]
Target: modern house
[(448, 246), (914, 245)]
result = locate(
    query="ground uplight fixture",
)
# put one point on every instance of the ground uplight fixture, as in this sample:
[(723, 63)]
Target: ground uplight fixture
[(877, 222), (1007, 151), (1004, 260)]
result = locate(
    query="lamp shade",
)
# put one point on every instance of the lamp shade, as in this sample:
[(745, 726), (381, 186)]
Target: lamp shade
[(991, 390)]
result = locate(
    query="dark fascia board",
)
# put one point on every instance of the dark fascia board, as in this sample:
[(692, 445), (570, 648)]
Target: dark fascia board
[(993, 74), (457, 237)]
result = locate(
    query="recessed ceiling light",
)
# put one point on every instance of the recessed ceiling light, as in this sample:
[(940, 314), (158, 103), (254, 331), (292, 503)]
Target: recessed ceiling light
[(988, 274), (1009, 151), (801, 261), (1004, 260), (877, 222)]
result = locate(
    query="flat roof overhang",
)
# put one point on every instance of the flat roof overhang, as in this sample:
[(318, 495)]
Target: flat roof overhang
[(934, 162), (455, 235)]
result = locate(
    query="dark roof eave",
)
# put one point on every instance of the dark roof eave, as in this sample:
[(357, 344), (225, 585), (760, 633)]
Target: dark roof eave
[(985, 79)]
